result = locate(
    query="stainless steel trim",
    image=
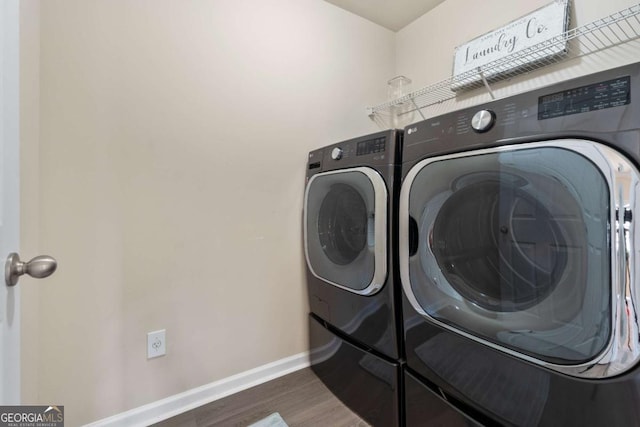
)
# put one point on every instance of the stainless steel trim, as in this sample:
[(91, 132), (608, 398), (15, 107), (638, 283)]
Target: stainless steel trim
[(623, 350), (380, 229)]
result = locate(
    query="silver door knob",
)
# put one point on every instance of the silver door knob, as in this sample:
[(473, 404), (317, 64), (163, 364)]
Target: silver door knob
[(39, 267)]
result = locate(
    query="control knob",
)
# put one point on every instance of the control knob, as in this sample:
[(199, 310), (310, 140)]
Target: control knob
[(483, 120), (336, 153)]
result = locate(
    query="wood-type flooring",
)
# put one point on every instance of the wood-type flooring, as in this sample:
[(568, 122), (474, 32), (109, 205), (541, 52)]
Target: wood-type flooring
[(300, 398)]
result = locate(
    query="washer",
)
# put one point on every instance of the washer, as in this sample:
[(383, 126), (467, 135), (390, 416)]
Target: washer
[(350, 244), (518, 254)]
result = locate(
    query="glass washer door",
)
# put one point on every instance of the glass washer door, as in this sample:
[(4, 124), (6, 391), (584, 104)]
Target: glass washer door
[(345, 229), (528, 249)]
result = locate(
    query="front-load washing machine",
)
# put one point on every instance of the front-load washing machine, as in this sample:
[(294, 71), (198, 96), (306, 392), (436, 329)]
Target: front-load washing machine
[(519, 254), (350, 247)]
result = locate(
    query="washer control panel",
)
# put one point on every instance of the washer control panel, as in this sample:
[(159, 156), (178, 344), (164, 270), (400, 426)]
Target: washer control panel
[(349, 149), (370, 146)]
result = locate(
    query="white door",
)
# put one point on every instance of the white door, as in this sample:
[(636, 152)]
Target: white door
[(9, 200)]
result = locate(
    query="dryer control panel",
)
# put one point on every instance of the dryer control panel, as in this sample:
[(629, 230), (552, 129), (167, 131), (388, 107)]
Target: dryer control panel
[(593, 106), (598, 96)]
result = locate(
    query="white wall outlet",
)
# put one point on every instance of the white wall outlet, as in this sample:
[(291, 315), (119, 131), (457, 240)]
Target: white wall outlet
[(156, 344)]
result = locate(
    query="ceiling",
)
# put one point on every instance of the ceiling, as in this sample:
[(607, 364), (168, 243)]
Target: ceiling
[(392, 14)]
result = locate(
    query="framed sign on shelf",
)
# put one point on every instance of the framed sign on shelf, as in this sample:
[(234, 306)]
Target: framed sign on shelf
[(548, 22)]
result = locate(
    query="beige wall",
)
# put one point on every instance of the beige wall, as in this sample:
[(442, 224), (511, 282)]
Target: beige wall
[(172, 146), (424, 48)]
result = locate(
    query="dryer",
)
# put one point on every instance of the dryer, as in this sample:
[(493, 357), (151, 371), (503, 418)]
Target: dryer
[(350, 245), (519, 254)]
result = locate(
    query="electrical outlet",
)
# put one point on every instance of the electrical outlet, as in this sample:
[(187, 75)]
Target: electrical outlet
[(156, 344)]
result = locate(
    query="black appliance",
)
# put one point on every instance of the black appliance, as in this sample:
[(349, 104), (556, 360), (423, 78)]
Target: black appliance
[(350, 247), (519, 254)]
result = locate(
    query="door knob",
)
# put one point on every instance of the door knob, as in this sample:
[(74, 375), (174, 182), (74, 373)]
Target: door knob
[(39, 267)]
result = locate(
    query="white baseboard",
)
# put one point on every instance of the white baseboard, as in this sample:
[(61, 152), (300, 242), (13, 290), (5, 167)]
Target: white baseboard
[(190, 399)]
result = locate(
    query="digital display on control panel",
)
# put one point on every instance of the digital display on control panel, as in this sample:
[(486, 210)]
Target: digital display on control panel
[(609, 94), (371, 146)]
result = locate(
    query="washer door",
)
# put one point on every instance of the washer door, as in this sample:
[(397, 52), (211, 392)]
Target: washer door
[(345, 229), (526, 248)]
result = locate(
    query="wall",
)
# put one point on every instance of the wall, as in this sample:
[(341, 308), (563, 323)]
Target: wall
[(425, 48), (172, 146)]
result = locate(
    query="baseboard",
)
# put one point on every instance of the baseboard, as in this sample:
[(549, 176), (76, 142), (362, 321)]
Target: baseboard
[(190, 399)]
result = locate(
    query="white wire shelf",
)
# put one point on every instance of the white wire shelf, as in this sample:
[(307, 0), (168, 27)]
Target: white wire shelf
[(613, 30)]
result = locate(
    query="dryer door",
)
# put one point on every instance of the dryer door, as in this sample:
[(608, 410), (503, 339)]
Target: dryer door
[(345, 229), (527, 248)]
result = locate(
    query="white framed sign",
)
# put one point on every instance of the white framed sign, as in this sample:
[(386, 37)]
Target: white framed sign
[(543, 24)]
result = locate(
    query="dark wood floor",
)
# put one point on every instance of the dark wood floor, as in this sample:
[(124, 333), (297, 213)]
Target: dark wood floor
[(300, 398)]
